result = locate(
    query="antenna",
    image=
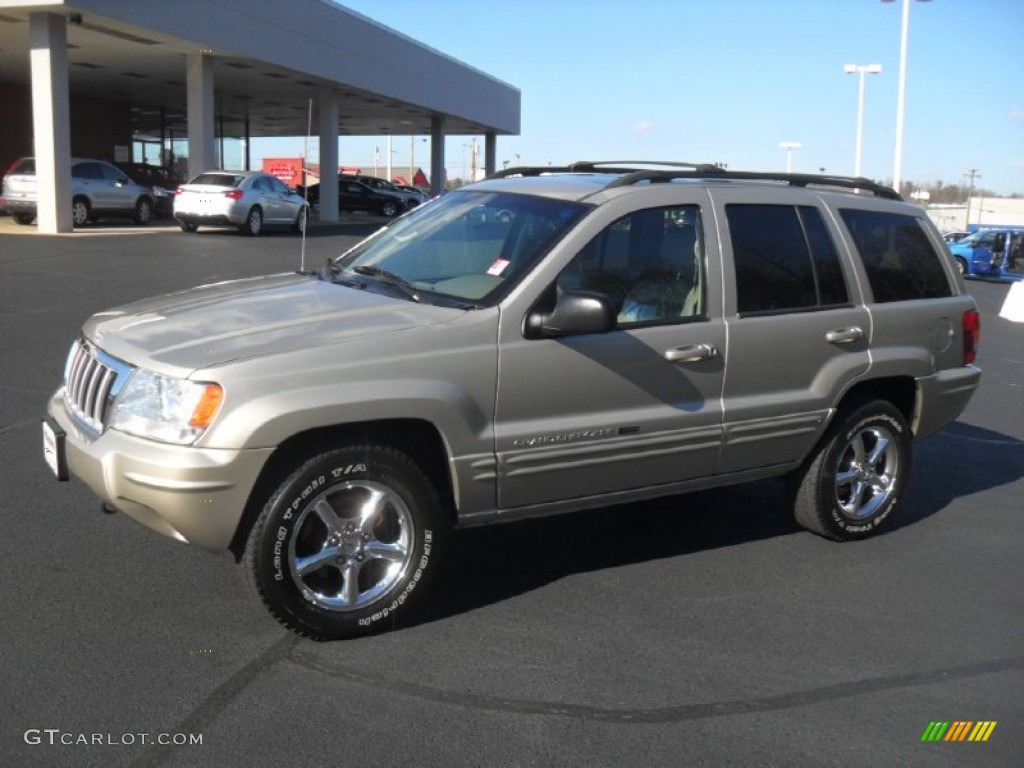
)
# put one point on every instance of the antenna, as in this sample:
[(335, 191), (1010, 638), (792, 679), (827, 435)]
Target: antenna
[(305, 186)]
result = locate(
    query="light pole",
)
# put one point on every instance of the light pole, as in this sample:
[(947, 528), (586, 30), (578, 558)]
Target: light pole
[(901, 97), (789, 146), (860, 69)]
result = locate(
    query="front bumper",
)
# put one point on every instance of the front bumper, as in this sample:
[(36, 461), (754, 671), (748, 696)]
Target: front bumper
[(194, 495)]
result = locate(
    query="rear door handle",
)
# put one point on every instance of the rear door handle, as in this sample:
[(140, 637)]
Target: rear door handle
[(844, 335), (691, 353)]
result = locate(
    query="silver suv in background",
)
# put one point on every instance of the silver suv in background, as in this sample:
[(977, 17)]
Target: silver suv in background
[(98, 189), (547, 340)]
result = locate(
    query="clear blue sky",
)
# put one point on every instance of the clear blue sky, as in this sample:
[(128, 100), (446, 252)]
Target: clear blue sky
[(727, 80)]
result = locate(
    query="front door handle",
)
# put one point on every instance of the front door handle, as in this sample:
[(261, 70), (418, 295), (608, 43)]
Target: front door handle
[(691, 353), (844, 335)]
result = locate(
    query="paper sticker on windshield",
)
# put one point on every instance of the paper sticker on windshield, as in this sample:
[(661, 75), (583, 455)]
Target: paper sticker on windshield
[(498, 267)]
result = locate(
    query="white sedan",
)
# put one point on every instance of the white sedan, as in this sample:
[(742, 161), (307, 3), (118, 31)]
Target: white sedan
[(248, 200)]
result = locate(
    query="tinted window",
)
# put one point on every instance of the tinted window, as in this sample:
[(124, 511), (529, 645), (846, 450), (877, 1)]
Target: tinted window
[(26, 165), (900, 262), (218, 179), (110, 173), (649, 263), (87, 171), (784, 259)]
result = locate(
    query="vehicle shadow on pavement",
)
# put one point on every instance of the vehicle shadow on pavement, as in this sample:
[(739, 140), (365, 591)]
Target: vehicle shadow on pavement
[(959, 461), (491, 564)]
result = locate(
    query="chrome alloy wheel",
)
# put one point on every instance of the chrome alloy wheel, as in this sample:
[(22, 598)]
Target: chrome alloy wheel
[(867, 473), (353, 544)]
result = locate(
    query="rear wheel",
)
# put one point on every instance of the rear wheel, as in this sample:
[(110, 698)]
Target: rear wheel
[(24, 218), (253, 222), (961, 266), (187, 226), (853, 481), (80, 212), (346, 544)]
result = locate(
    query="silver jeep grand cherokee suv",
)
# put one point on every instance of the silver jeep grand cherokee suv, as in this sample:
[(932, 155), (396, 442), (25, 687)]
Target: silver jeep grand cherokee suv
[(544, 341)]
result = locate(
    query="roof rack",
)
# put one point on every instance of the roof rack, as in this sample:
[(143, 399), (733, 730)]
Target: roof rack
[(630, 174)]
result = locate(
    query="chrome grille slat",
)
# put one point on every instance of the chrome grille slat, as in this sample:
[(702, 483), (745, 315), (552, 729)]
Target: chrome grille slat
[(89, 384)]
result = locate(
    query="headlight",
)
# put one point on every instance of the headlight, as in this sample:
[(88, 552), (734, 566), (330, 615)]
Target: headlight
[(164, 408)]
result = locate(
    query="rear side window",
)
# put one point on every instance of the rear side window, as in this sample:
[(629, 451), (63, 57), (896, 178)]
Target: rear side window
[(900, 262), (87, 171), (785, 259)]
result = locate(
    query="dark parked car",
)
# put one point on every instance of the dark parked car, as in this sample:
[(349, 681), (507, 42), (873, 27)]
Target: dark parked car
[(411, 197), (161, 181), (357, 196)]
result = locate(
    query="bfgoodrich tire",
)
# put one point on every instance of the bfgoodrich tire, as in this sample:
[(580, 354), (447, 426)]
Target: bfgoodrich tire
[(855, 478), (347, 543)]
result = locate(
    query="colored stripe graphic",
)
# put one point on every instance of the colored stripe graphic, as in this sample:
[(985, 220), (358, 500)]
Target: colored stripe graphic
[(958, 730), (982, 730), (935, 731)]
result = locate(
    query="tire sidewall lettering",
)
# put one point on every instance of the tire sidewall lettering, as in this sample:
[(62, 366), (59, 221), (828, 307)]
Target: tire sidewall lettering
[(282, 527), (835, 513)]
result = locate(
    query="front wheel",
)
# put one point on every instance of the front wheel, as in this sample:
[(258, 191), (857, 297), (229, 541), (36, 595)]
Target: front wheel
[(143, 211), (346, 544), (389, 209), (852, 482), (961, 267), (80, 212), (299, 225), (24, 218)]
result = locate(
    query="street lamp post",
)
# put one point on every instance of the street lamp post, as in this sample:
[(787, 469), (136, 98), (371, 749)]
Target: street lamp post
[(901, 97), (860, 69), (789, 146)]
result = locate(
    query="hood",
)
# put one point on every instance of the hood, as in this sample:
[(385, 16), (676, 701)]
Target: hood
[(215, 324)]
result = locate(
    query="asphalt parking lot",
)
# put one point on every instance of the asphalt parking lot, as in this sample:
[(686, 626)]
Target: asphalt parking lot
[(702, 630)]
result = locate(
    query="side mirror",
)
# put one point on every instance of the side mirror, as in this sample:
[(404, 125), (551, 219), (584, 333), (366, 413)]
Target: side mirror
[(575, 312)]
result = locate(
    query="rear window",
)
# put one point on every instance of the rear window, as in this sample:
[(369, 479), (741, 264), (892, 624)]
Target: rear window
[(218, 179), (27, 165), (900, 262)]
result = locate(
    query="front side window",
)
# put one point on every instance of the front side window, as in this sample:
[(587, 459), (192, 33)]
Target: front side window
[(900, 262), (649, 263), (784, 259), (468, 246)]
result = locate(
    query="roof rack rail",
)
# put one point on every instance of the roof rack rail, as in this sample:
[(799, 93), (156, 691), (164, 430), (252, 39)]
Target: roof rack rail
[(631, 174)]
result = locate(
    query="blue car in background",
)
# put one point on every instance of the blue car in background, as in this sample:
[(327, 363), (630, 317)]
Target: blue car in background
[(994, 254)]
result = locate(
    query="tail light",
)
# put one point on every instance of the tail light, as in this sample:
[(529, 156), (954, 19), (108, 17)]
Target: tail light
[(972, 335), (234, 194)]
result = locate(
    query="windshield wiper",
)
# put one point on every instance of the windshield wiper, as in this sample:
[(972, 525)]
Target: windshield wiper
[(408, 289)]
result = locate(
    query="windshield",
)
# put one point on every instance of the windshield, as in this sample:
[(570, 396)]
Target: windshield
[(468, 246)]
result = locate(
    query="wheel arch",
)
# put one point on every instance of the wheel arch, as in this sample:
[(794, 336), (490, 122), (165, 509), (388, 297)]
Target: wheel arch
[(419, 439), (901, 391)]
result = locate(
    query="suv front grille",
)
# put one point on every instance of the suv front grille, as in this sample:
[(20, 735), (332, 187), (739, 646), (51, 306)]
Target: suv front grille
[(89, 382)]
